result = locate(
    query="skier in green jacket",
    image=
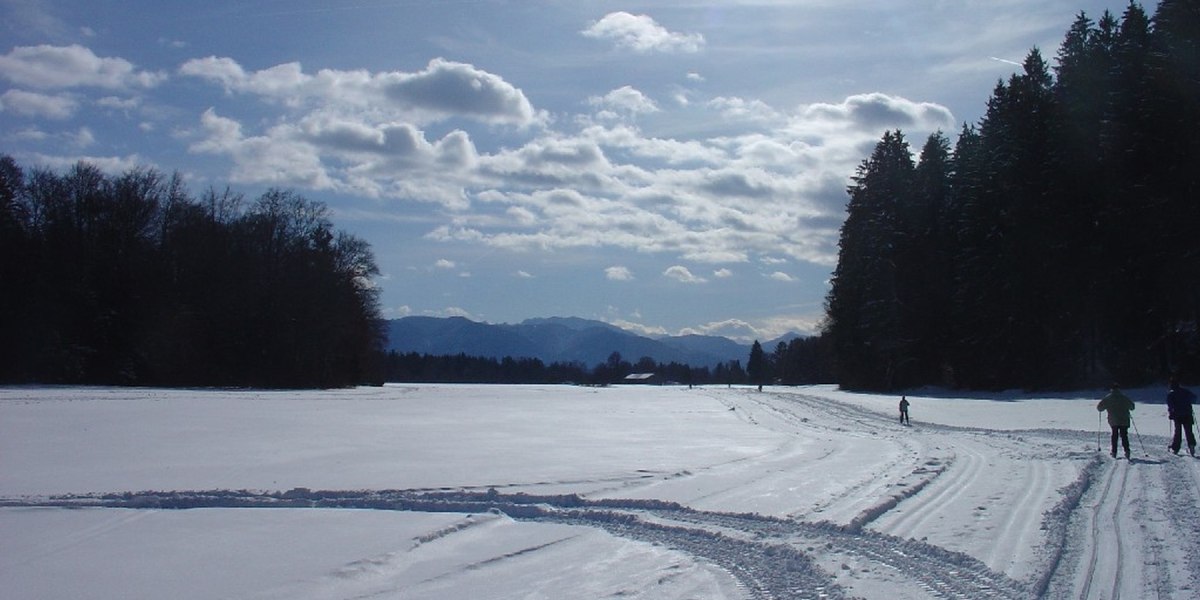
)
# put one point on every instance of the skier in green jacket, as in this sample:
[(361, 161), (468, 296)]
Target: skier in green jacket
[(1118, 406)]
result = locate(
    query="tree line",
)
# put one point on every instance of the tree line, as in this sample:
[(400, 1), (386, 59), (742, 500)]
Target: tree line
[(129, 280), (800, 361), (461, 368), (1055, 245)]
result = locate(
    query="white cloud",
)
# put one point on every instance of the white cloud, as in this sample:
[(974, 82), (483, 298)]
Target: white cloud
[(618, 273), (278, 158), (397, 312), (84, 138), (113, 165), (522, 274), (444, 264), (735, 329), (639, 328), (876, 112), (642, 34), (61, 67), (443, 89), (330, 152), (225, 71), (32, 134), (626, 100), (454, 311), (741, 109), (781, 276), (119, 103), (33, 104), (682, 274), (715, 200), (460, 89), (723, 273), (764, 330)]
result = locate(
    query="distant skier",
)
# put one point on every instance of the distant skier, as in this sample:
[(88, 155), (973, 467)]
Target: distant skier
[(904, 411), (1179, 410), (1118, 406)]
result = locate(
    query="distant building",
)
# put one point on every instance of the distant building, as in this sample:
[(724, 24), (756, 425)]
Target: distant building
[(643, 378)]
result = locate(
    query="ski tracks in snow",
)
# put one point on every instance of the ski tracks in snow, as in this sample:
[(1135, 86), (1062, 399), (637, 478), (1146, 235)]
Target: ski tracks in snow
[(1105, 548), (1132, 533), (771, 558), (1007, 485)]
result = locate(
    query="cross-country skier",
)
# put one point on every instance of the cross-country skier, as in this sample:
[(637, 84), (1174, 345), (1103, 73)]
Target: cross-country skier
[(1118, 406), (1179, 410), (904, 411)]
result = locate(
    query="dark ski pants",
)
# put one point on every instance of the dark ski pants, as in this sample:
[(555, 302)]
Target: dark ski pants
[(1177, 440), (903, 416), (1123, 433)]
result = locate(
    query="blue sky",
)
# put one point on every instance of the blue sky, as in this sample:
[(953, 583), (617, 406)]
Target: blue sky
[(671, 167)]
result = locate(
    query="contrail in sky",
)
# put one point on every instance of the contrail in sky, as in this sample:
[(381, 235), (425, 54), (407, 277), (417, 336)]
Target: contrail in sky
[(1004, 60)]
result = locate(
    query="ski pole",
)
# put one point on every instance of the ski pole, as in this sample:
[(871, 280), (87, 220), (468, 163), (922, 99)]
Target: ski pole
[(1098, 431), (1139, 434)]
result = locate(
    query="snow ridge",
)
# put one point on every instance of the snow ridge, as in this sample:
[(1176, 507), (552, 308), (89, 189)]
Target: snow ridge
[(1055, 522)]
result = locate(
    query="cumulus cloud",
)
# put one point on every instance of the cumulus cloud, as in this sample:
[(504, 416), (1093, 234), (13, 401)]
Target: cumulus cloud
[(624, 100), (33, 104), (618, 273), (461, 89), (682, 274), (641, 33), (332, 152), (877, 112), (441, 90), (62, 67), (444, 264), (263, 159), (778, 192), (723, 273), (781, 276)]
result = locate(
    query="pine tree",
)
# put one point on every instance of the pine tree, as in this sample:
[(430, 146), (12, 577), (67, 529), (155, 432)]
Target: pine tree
[(757, 366), (863, 307)]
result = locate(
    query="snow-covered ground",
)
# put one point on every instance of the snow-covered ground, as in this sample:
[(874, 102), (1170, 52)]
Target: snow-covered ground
[(507, 492)]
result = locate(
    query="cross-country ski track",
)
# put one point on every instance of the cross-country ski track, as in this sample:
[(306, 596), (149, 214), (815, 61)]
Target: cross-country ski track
[(848, 504)]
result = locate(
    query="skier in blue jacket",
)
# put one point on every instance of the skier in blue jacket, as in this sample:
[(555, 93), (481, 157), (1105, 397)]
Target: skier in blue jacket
[(1179, 410)]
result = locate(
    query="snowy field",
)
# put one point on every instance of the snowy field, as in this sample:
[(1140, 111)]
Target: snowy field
[(556, 492)]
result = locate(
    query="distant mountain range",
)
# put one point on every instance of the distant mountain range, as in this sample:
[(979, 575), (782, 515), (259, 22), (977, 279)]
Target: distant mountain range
[(562, 340)]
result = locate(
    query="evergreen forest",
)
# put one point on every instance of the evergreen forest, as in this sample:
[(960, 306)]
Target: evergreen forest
[(1055, 245), (129, 280)]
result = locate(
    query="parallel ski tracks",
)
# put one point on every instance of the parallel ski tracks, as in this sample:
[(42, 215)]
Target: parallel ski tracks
[(1181, 482), (957, 478), (1106, 543)]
